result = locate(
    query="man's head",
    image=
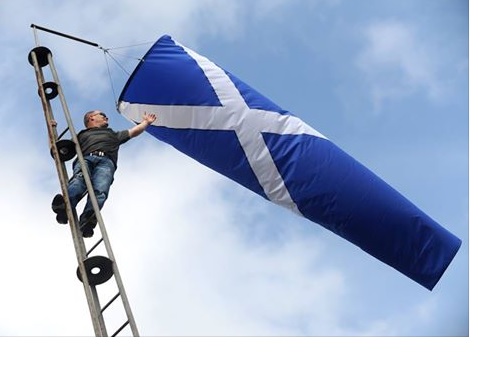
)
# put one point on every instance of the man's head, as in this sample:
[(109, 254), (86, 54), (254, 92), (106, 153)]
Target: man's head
[(95, 119)]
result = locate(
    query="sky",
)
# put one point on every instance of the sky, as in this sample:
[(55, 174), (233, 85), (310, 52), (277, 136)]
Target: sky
[(386, 81)]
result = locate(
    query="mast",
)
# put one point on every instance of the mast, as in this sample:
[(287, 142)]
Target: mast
[(93, 271)]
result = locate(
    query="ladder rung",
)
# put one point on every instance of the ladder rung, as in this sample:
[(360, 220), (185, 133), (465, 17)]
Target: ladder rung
[(93, 247), (64, 132), (119, 329), (110, 302)]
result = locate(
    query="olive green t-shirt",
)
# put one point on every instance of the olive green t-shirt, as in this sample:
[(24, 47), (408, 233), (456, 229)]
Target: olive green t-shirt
[(102, 139)]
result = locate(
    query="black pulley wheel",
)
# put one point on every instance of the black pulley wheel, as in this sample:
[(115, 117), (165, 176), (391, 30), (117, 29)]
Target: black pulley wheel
[(99, 270), (66, 149)]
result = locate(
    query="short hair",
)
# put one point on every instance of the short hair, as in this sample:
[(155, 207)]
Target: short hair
[(87, 116)]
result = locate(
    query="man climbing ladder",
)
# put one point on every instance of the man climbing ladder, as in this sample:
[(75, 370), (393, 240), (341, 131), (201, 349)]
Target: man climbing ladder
[(99, 145)]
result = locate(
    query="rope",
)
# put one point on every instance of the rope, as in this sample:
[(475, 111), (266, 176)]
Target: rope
[(133, 45), (108, 54), (115, 99)]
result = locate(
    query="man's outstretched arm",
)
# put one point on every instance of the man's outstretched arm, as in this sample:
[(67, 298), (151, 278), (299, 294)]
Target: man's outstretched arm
[(147, 119)]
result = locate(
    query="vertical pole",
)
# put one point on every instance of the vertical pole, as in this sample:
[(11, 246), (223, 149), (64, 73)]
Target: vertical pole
[(90, 290), (92, 301), (95, 205)]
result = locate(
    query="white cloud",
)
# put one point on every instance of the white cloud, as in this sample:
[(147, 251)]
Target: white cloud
[(399, 61), (38, 264), (207, 276), (269, 8)]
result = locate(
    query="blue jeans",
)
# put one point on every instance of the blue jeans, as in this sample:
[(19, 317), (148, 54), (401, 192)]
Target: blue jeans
[(101, 170)]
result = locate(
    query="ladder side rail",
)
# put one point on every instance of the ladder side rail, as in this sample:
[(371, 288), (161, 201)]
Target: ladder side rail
[(92, 299)]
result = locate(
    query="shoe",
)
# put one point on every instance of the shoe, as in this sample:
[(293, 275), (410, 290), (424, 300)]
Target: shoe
[(87, 232), (59, 207), (87, 224)]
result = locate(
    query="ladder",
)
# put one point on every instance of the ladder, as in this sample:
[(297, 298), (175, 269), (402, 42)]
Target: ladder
[(93, 270)]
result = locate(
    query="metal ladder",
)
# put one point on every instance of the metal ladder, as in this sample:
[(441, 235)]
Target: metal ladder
[(93, 271)]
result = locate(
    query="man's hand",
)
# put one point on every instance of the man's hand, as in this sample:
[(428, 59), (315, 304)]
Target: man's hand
[(149, 118)]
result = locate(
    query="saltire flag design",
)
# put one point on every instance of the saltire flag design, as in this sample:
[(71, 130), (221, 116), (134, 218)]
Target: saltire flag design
[(215, 118)]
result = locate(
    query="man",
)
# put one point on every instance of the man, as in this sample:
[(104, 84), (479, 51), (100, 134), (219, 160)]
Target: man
[(99, 145)]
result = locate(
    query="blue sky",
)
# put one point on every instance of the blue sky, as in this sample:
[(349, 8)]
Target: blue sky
[(386, 81)]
